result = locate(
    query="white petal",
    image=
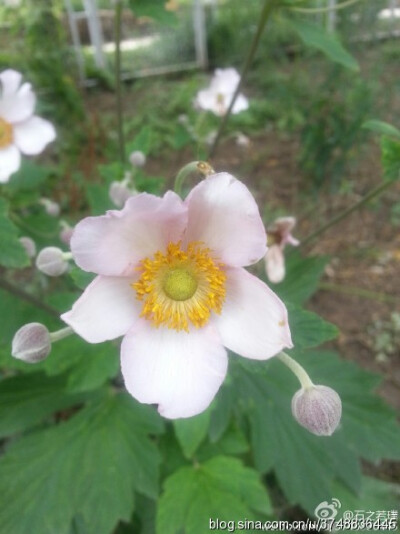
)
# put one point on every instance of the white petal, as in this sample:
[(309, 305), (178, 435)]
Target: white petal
[(10, 161), (207, 99), (19, 106), (106, 310), (10, 80), (275, 264), (254, 321), (224, 215), (32, 135), (179, 371), (114, 243), (241, 104)]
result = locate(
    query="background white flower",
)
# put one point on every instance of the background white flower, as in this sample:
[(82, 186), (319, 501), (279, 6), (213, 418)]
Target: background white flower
[(20, 129), (218, 96)]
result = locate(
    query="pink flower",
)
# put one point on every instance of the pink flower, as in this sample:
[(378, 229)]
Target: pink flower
[(278, 237), (171, 280), (218, 96), (20, 130)]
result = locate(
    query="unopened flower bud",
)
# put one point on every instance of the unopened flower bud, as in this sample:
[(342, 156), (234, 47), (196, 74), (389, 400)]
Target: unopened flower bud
[(137, 158), (242, 140), (318, 409), (29, 246), (31, 343), (50, 207), (66, 232), (52, 261), (119, 193)]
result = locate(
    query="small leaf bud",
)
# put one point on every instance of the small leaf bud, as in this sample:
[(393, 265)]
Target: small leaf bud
[(31, 343), (137, 158), (51, 261), (318, 409), (29, 246)]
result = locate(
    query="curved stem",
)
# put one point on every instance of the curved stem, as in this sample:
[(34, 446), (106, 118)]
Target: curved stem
[(194, 166), (118, 85), (297, 369), (369, 196), (61, 334), (265, 14), (324, 9)]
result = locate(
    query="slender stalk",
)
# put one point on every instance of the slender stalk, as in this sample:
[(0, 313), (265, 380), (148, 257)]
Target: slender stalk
[(342, 5), (369, 196), (358, 292), (23, 295), (118, 84), (297, 369), (265, 14), (202, 167), (61, 334)]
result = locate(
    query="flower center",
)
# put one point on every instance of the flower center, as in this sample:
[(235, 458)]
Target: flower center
[(6, 133), (181, 287), (180, 284)]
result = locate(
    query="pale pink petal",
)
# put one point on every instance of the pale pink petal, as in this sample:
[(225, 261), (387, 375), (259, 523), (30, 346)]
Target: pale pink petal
[(179, 371), (10, 161), (32, 136), (225, 80), (275, 264), (207, 100), (241, 104), (224, 215), (19, 106), (10, 81), (292, 240), (114, 243), (106, 310), (254, 321)]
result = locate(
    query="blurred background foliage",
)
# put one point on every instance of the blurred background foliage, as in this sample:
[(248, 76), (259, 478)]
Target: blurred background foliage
[(79, 456)]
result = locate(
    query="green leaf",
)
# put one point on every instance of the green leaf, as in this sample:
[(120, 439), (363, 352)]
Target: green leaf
[(231, 443), (382, 128), (89, 467), (390, 159), (219, 488), (29, 176), (302, 277), (142, 141), (12, 253), (98, 198), (191, 432), (368, 428), (81, 278), (308, 329), (26, 400), (317, 37)]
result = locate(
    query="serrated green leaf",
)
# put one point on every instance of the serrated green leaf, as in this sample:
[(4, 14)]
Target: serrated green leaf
[(302, 277), (382, 128), (89, 467), (308, 329), (12, 253), (219, 488), (317, 37), (231, 443), (25, 400), (191, 432), (390, 159)]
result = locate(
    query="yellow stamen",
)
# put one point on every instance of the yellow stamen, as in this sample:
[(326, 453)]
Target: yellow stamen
[(6, 133), (180, 287)]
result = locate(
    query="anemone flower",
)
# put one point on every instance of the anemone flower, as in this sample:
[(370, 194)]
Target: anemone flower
[(171, 281), (218, 96), (20, 130), (279, 235)]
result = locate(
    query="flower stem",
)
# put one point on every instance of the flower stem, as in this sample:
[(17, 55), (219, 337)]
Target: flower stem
[(118, 85), (194, 166), (23, 295), (297, 369), (369, 196), (61, 334), (265, 14)]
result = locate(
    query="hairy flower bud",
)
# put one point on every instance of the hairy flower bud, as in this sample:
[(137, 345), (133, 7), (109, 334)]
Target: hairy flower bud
[(29, 246), (31, 343), (51, 261), (318, 409), (66, 233), (119, 193), (137, 158), (51, 208)]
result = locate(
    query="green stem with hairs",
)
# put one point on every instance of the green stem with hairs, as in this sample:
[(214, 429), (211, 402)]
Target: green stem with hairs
[(201, 167), (61, 334), (265, 14), (118, 84), (368, 197), (296, 369)]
